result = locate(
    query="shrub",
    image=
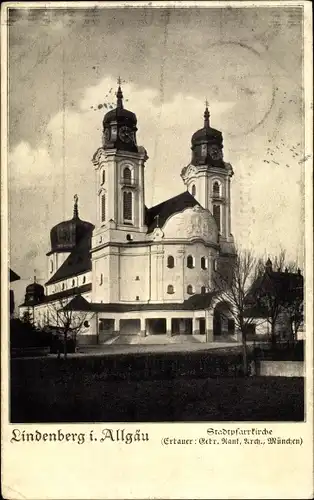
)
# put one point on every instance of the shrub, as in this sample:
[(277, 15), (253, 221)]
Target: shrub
[(24, 334)]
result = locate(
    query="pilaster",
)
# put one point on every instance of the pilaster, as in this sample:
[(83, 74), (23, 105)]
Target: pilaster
[(195, 326), (142, 332), (168, 326)]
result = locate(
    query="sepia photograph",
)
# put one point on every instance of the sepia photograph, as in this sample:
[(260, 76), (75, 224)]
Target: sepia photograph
[(156, 188)]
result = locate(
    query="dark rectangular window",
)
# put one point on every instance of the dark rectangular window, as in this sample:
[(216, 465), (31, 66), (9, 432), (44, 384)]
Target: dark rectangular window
[(103, 208), (216, 214), (203, 263), (127, 206)]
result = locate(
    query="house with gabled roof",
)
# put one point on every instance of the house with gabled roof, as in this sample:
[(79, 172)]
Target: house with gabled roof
[(275, 299)]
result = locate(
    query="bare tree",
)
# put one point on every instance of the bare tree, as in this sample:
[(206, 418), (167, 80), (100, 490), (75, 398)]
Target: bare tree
[(295, 314), (277, 295), (67, 321), (268, 299), (234, 290)]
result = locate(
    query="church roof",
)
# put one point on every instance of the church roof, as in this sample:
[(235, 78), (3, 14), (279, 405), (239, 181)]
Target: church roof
[(66, 235), (63, 294), (194, 303), (200, 301), (70, 291), (284, 285), (159, 214), (78, 304), (78, 262), (13, 276)]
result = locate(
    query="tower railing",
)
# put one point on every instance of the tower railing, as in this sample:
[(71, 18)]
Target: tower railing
[(128, 182), (218, 197)]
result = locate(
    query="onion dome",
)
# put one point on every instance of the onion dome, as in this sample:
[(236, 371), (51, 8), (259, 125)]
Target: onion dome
[(207, 144), (66, 235), (119, 126), (35, 294)]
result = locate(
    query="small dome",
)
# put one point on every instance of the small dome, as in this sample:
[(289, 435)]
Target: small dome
[(120, 115), (35, 293), (119, 127), (207, 145), (35, 288), (206, 134), (66, 235)]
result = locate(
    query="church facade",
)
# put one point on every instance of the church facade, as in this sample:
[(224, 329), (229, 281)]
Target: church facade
[(142, 271)]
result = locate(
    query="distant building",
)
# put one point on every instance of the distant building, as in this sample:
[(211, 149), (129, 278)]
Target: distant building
[(12, 277), (278, 291), (139, 270)]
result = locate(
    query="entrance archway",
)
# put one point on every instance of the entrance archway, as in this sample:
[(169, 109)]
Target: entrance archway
[(223, 321), (181, 326), (130, 326), (156, 326)]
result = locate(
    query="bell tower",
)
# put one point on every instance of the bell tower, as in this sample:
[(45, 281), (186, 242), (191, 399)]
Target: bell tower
[(119, 166), (208, 176)]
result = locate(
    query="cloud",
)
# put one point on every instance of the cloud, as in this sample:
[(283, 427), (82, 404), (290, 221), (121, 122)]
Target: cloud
[(266, 203)]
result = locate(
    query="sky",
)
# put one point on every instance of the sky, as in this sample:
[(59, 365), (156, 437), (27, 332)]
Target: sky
[(63, 67)]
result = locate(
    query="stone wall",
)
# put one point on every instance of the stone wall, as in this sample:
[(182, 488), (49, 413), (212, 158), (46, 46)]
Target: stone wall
[(281, 368)]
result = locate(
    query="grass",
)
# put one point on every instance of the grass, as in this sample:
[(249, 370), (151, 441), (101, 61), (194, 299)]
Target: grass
[(79, 390)]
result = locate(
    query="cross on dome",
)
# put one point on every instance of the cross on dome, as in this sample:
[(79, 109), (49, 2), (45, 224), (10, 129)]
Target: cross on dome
[(75, 209), (206, 115), (119, 95)]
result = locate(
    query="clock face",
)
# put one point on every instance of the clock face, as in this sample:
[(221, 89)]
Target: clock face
[(215, 152), (126, 134)]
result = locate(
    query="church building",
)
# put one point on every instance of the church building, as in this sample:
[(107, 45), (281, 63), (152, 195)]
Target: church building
[(143, 271)]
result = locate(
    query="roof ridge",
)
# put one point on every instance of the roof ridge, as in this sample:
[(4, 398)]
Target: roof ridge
[(184, 193), (77, 251)]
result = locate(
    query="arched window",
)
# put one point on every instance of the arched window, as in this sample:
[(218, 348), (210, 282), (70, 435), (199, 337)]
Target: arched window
[(62, 286), (51, 266), (127, 206), (73, 282), (103, 177), (170, 289), (204, 150), (216, 189), (170, 262), (193, 190), (190, 262), (189, 289), (84, 279), (203, 289), (216, 214), (103, 207), (203, 263), (127, 174), (215, 265)]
